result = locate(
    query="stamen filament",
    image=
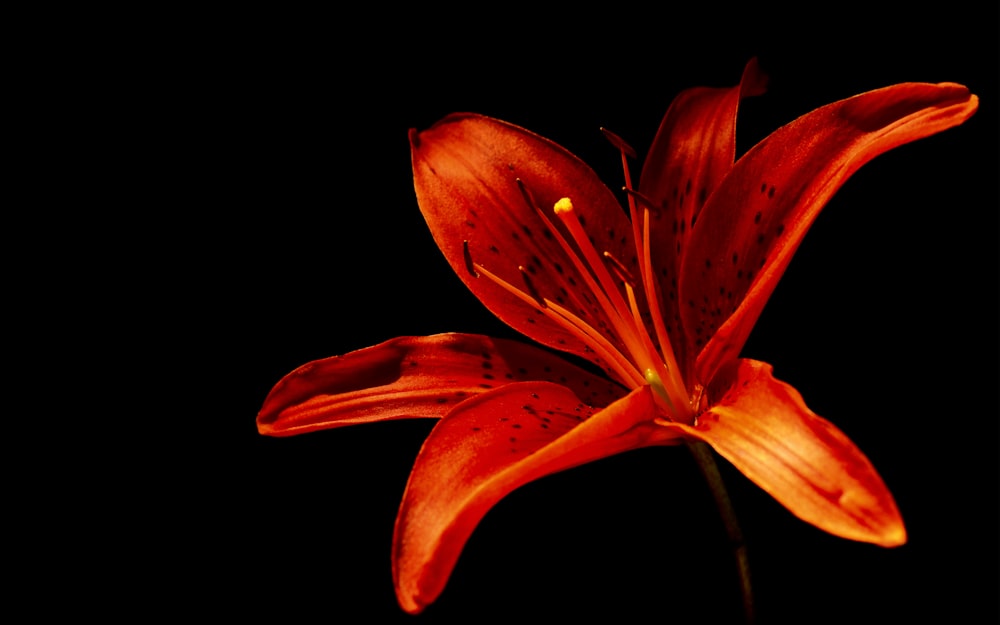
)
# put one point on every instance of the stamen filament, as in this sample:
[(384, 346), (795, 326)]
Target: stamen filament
[(576, 326), (622, 270), (617, 309), (613, 310), (633, 211), (601, 341), (653, 301), (666, 382)]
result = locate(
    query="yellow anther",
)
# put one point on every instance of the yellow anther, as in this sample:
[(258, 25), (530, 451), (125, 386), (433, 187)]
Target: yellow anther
[(563, 206)]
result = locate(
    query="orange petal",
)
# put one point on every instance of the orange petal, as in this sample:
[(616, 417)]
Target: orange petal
[(750, 227), (693, 151), (423, 376), (465, 171), (486, 448), (762, 426)]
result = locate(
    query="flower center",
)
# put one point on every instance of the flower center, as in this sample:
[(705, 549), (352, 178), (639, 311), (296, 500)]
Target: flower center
[(643, 361)]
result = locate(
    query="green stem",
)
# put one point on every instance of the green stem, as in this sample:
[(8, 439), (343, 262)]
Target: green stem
[(706, 462)]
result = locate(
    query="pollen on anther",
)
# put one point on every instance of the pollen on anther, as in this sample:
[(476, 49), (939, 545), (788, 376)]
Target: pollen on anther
[(564, 205)]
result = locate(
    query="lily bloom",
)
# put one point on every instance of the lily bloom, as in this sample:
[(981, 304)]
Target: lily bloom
[(659, 297)]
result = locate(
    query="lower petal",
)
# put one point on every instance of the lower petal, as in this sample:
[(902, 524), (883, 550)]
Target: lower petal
[(486, 448), (762, 426)]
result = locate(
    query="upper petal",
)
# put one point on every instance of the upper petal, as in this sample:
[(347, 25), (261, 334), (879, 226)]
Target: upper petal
[(466, 169), (763, 427), (753, 223), (692, 152), (413, 376), (486, 448)]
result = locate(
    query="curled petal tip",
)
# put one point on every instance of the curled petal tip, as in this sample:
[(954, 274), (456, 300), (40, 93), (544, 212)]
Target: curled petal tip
[(893, 536)]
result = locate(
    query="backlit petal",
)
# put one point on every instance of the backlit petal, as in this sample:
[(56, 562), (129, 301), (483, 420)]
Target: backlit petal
[(750, 227), (486, 448), (693, 151), (423, 376), (762, 426), (465, 171)]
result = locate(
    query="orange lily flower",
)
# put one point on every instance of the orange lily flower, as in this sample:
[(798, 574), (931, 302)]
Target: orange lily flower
[(660, 298)]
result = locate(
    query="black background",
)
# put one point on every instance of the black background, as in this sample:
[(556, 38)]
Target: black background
[(285, 229)]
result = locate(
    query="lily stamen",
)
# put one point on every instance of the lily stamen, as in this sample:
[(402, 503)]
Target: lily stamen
[(623, 273), (633, 211), (621, 365), (632, 330), (590, 275), (653, 300)]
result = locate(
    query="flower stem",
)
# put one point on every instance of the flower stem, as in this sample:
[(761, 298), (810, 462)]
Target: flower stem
[(706, 462)]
